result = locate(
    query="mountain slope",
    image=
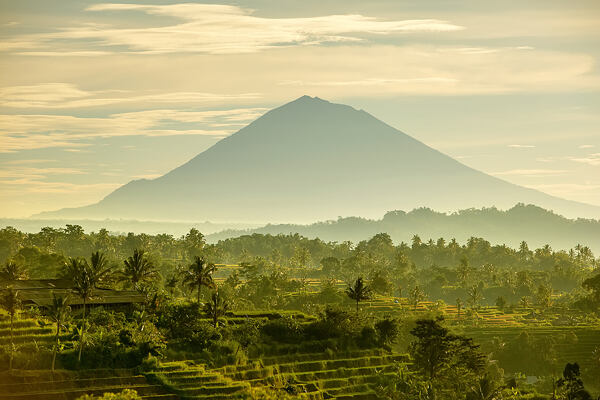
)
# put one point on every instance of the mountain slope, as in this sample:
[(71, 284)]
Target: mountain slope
[(309, 160)]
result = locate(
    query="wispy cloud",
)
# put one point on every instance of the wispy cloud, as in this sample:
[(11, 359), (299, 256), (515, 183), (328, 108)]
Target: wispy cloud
[(591, 159), (22, 132), (587, 146), (521, 146), (373, 81), (217, 29), (67, 95), (20, 186)]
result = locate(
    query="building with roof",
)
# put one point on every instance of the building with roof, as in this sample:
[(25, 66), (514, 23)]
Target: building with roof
[(39, 292)]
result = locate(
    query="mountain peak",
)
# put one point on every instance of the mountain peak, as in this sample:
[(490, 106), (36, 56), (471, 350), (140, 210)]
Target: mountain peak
[(306, 100), (312, 159)]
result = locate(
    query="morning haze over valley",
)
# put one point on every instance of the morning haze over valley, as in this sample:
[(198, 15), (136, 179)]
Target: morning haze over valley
[(277, 200)]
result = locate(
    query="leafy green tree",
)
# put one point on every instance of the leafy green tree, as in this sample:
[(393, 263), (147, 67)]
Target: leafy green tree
[(301, 257), (358, 291), (331, 266), (171, 284), (593, 285), (486, 388), (11, 302), (13, 271), (216, 308), (380, 282), (199, 274), (463, 271), (447, 361), (126, 394), (416, 296), (194, 243), (475, 293), (571, 384), (500, 302), (138, 269), (388, 330), (58, 311), (543, 296)]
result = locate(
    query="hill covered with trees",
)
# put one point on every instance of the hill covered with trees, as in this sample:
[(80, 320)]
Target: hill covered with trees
[(529, 223)]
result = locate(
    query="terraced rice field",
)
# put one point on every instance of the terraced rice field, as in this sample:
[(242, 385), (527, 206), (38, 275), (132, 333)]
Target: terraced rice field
[(28, 331), (68, 385), (578, 347), (307, 375)]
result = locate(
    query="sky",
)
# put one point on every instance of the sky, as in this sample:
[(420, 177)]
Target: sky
[(95, 94)]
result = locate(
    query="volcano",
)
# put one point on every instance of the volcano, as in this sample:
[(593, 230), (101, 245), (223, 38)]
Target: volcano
[(314, 160)]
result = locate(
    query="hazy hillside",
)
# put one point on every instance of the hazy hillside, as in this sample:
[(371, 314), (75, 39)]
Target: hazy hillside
[(530, 223), (121, 226), (314, 160)]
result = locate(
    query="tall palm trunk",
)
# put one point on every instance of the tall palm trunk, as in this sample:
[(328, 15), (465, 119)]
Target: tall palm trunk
[(82, 334), (199, 287), (55, 344), (12, 343)]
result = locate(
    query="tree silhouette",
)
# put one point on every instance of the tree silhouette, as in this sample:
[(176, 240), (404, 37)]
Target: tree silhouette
[(572, 385), (85, 277), (438, 354), (358, 291), (58, 313), (138, 269), (216, 308), (416, 296), (475, 293), (11, 302), (12, 271), (459, 304), (199, 274)]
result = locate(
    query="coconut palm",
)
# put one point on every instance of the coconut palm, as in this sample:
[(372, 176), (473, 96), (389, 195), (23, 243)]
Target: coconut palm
[(199, 274), (475, 293), (85, 278), (58, 311), (358, 292), (12, 271), (138, 269), (82, 276), (11, 302), (216, 307), (100, 268)]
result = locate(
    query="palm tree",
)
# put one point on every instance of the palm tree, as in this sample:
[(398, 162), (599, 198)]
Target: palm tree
[(100, 268), (199, 274), (138, 269), (13, 272), (216, 308), (58, 313), (358, 292), (82, 276), (475, 293), (86, 277), (459, 304), (11, 302)]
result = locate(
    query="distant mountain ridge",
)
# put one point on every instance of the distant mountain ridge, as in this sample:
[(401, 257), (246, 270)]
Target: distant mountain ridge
[(312, 160), (532, 224)]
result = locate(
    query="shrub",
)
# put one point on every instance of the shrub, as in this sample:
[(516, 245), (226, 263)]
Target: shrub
[(284, 330), (367, 338), (127, 394)]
